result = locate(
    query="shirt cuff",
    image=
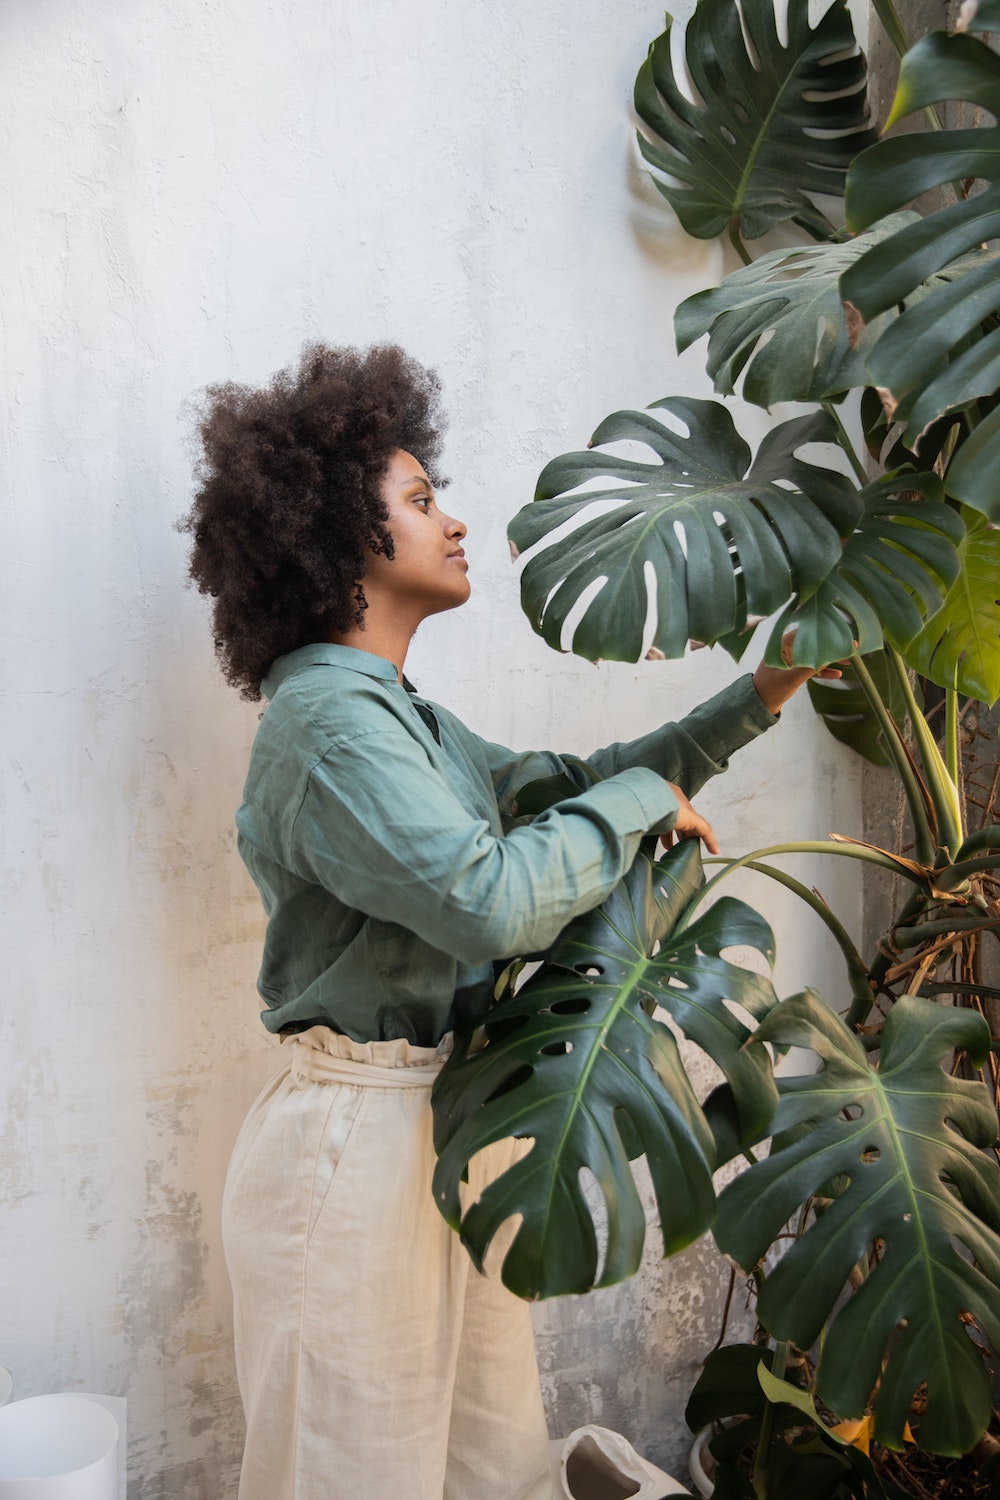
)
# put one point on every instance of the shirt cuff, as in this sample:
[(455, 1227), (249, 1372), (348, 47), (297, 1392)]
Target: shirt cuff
[(657, 806)]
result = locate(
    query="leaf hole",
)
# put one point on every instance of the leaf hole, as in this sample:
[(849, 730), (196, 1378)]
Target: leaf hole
[(513, 1081), (739, 1013), (590, 971), (681, 535), (870, 1154), (851, 1112), (907, 1218), (578, 1005), (499, 1027), (577, 610), (746, 956), (557, 1049), (594, 1205)]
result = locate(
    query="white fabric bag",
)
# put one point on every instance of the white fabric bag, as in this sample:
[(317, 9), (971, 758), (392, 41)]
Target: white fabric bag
[(594, 1463)]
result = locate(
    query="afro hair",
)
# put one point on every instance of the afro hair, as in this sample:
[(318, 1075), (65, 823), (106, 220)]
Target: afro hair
[(288, 509)]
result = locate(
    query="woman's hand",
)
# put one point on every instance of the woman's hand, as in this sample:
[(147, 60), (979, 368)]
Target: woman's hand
[(689, 824), (775, 685)]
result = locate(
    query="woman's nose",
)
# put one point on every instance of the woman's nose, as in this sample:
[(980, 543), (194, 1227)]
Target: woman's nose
[(455, 527)]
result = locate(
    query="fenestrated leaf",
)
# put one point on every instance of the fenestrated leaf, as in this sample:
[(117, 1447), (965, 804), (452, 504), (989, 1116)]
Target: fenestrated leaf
[(757, 145), (793, 298), (576, 1062), (910, 1140), (943, 352), (848, 715), (959, 646), (892, 573), (722, 537)]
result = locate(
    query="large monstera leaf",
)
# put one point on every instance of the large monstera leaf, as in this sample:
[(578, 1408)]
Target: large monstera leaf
[(757, 145), (892, 573), (910, 1142), (722, 537), (790, 300), (942, 354), (576, 1062), (959, 646)]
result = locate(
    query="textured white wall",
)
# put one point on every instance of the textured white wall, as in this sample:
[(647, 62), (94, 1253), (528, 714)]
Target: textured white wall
[(191, 189)]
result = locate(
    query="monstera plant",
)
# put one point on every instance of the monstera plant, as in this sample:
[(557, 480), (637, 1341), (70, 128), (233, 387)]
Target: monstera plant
[(868, 526)]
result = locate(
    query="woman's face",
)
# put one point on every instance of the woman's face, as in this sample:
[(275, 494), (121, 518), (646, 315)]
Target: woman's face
[(428, 572)]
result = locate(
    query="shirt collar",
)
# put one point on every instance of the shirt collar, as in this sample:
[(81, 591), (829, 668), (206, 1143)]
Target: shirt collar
[(323, 653)]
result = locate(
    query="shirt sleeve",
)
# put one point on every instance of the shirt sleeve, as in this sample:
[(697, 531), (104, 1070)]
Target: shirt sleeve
[(687, 752), (380, 828)]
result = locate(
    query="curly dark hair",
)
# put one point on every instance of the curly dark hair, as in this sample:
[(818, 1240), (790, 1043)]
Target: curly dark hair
[(288, 510)]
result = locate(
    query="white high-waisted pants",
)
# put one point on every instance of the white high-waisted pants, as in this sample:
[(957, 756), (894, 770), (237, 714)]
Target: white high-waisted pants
[(374, 1361)]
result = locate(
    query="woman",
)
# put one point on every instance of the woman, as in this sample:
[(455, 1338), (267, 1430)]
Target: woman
[(374, 1362)]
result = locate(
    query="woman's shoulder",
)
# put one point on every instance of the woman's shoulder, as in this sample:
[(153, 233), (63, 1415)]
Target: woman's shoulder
[(327, 703), (313, 715)]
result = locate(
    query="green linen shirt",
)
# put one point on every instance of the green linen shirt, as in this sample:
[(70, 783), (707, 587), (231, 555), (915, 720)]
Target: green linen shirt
[(379, 831)]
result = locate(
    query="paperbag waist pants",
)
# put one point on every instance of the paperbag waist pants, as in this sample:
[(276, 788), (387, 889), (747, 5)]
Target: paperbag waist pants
[(374, 1361)]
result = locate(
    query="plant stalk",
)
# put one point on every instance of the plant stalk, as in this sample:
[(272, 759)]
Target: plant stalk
[(915, 905), (758, 1475), (894, 29), (844, 440), (892, 25), (926, 932), (812, 846), (736, 241), (941, 785), (922, 840), (951, 733), (861, 990)]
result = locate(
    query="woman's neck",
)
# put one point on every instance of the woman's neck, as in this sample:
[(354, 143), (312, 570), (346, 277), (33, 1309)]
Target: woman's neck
[(385, 638)]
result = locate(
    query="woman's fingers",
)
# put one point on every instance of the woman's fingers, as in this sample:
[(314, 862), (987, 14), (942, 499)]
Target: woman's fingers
[(689, 823)]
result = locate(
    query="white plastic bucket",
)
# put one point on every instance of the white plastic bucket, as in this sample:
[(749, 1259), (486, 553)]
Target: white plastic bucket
[(58, 1448), (594, 1463)]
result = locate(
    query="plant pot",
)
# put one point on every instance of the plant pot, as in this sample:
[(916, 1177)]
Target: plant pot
[(701, 1464)]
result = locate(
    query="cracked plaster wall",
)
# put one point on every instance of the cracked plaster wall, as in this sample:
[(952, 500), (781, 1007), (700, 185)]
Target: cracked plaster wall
[(191, 189)]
